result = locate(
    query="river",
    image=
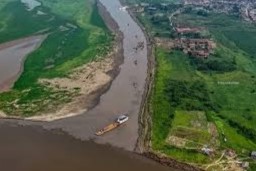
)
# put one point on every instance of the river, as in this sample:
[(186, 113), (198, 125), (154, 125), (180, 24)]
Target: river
[(124, 95), (34, 149), (30, 147), (12, 55)]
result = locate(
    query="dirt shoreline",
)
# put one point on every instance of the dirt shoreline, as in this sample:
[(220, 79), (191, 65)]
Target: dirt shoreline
[(144, 120), (143, 145), (17, 41), (92, 100), (83, 103)]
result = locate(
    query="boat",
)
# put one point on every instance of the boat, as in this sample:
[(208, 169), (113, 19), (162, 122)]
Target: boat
[(119, 121), (122, 119)]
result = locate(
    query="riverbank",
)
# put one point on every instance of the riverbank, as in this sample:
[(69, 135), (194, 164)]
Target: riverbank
[(123, 96), (145, 123), (73, 41), (92, 79), (143, 142)]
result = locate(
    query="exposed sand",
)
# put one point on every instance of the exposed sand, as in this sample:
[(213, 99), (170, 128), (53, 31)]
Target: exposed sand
[(123, 95), (91, 79), (88, 79), (17, 41), (2, 114)]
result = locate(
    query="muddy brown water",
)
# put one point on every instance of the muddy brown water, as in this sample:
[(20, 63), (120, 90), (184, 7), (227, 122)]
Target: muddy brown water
[(12, 55), (34, 149), (124, 95)]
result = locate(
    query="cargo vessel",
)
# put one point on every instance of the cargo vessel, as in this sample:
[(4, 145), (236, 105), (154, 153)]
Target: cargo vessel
[(119, 121)]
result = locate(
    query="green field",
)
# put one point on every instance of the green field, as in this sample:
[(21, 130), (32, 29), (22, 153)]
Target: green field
[(77, 35), (221, 103), (218, 91)]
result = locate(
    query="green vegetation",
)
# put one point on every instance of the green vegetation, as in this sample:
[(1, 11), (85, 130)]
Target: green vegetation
[(157, 21), (180, 90), (163, 111), (202, 102), (191, 130), (221, 86), (188, 95), (76, 35)]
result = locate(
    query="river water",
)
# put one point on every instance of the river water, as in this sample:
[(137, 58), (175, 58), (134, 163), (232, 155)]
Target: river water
[(30, 147), (124, 95), (12, 55), (34, 149)]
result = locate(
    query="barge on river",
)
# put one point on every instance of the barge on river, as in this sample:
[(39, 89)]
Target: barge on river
[(119, 121)]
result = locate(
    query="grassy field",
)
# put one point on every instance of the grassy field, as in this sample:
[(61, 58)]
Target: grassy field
[(222, 106), (77, 35), (191, 96), (169, 66)]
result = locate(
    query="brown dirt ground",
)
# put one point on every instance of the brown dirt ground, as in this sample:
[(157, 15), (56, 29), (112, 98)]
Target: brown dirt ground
[(88, 78)]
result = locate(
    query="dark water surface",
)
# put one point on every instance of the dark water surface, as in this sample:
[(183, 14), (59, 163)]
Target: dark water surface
[(34, 149)]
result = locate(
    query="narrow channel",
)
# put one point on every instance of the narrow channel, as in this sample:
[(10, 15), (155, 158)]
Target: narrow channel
[(30, 147), (125, 93)]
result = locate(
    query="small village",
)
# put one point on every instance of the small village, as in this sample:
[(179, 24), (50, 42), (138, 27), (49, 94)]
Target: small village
[(201, 47), (245, 8), (195, 47), (187, 39)]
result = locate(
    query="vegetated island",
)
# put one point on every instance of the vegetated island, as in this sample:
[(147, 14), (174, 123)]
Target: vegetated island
[(202, 105), (73, 65)]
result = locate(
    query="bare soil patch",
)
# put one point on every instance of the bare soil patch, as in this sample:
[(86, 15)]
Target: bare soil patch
[(89, 79)]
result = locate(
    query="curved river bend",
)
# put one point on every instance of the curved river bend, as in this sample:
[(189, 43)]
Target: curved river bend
[(125, 93), (32, 148)]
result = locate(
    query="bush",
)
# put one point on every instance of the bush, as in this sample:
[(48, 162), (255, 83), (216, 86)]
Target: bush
[(246, 132), (213, 64), (189, 95)]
